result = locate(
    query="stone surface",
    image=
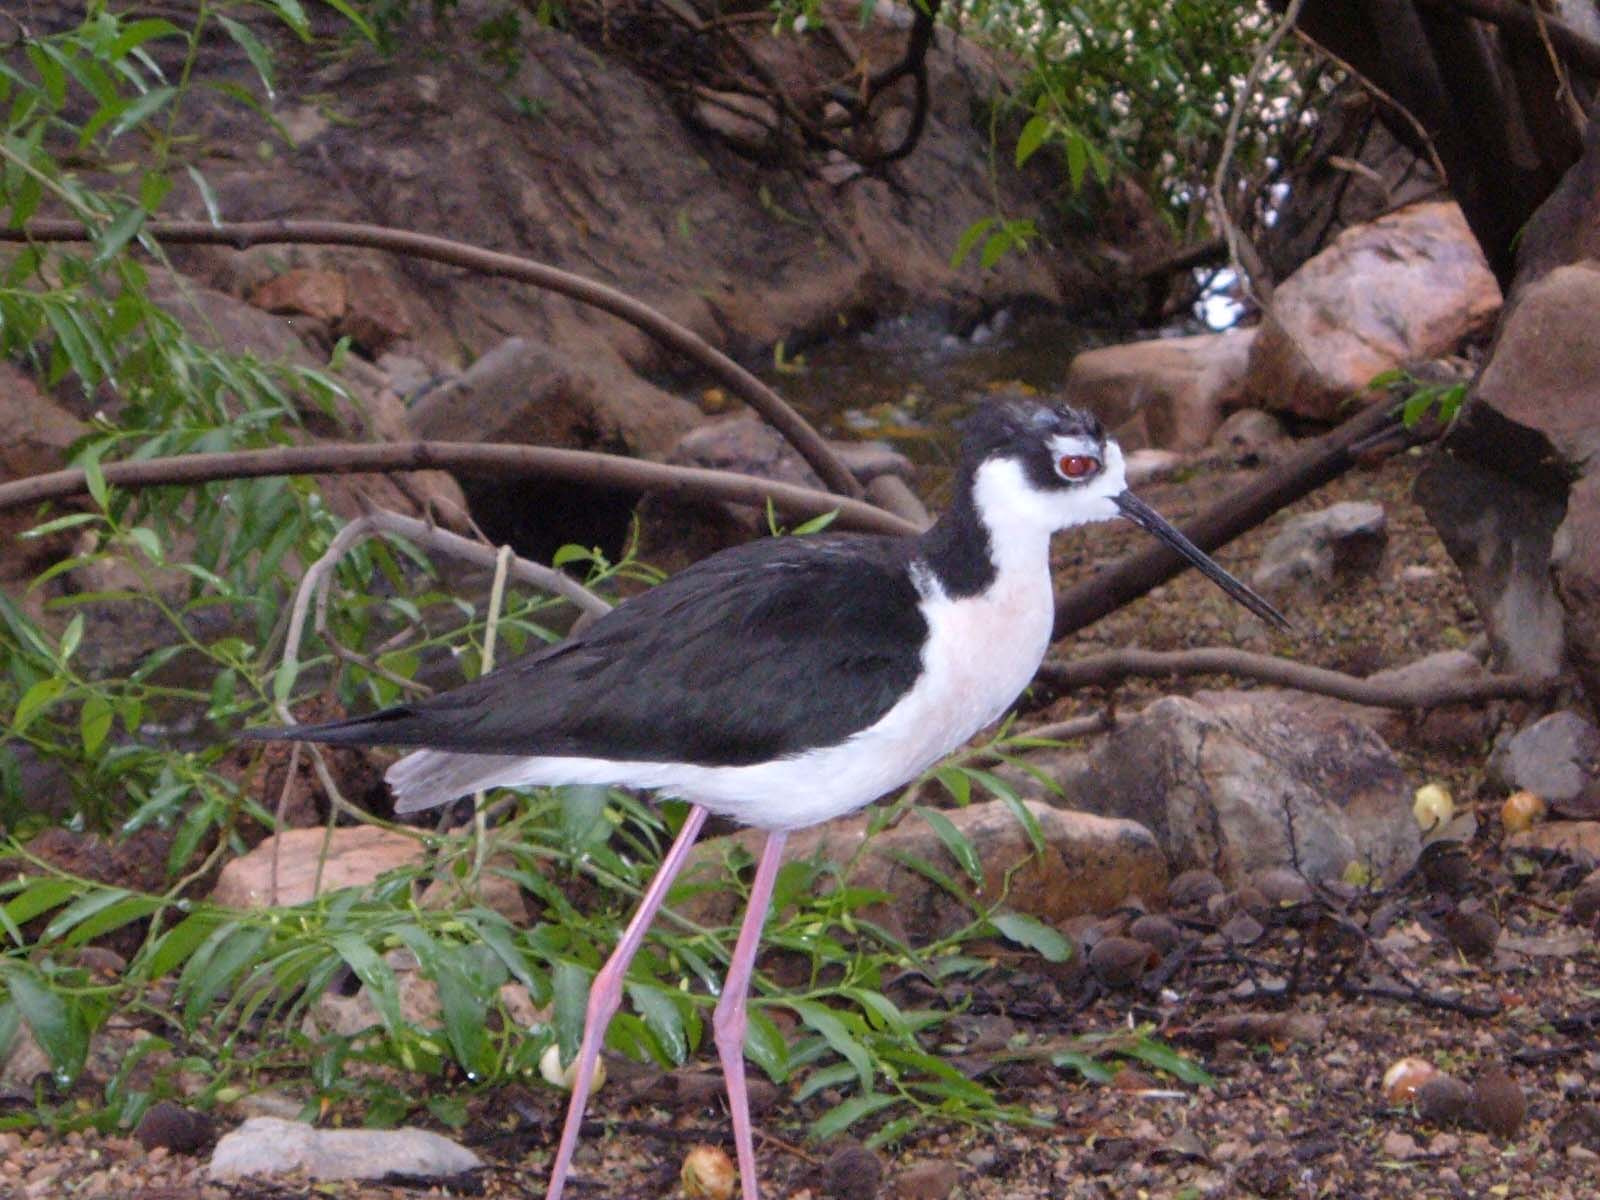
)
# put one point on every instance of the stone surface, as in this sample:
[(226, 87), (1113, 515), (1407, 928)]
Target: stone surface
[(356, 855), (305, 290), (1217, 778), (269, 1146), (1251, 437), (36, 430), (1169, 393), (525, 391), (1408, 287), (1581, 839), (1500, 534), (1316, 549), (1558, 759), (1089, 865)]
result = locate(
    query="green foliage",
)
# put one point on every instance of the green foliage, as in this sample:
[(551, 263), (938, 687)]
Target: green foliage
[(1144, 88), (1417, 398), (93, 127)]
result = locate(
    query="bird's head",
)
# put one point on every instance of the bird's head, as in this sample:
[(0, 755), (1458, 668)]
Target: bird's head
[(1037, 464)]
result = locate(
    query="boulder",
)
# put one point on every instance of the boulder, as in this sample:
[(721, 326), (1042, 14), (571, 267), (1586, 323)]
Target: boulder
[(1169, 393), (1089, 865), (1557, 758), (1219, 780), (1251, 437), (1408, 287), (1317, 549), (271, 1146), (356, 855), (576, 395)]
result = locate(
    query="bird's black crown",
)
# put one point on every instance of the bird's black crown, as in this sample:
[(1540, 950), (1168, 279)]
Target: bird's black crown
[(1023, 429)]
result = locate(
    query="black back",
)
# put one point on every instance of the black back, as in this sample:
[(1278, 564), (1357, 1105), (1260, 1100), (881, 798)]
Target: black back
[(758, 652)]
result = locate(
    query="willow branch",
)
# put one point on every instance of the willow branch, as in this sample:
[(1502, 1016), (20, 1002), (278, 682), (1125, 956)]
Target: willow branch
[(568, 466), (244, 234), (1101, 670)]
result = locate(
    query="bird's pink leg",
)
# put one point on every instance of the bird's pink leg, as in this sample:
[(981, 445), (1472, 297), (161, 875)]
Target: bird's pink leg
[(605, 994), (728, 1022)]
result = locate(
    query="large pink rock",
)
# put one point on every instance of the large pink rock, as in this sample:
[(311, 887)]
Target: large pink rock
[(1165, 392), (1406, 288)]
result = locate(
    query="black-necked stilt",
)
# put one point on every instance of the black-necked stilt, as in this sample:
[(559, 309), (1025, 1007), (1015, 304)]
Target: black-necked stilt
[(782, 683)]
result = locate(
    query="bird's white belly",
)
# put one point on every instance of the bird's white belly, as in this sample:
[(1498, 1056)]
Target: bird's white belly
[(979, 654)]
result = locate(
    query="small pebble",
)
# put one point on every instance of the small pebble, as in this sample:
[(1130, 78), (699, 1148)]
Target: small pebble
[(1191, 889), (1119, 962)]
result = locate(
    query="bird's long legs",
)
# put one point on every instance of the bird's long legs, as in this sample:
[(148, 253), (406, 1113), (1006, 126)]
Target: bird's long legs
[(728, 1022), (605, 995)]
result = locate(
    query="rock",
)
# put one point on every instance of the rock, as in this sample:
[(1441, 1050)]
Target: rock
[(1443, 1100), (1160, 933), (932, 1180), (1148, 465), (1580, 839), (1500, 533), (1558, 759), (1498, 1103), (1119, 962), (1090, 864), (747, 123), (377, 315), (493, 891), (852, 1173), (175, 1128), (1251, 437), (1472, 929), (21, 1062), (523, 391), (356, 855), (1314, 550), (1193, 888), (37, 430), (1218, 778), (1408, 287), (303, 290), (1281, 886), (269, 1146), (1167, 392), (1585, 905)]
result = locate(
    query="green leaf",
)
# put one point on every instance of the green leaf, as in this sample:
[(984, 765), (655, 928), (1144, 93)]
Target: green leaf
[(1165, 1058), (142, 109), (207, 196), (1077, 158), (71, 637), (970, 237), (70, 521), (662, 1017), (118, 234), (838, 1036), (1091, 1069), (229, 949), (955, 842), (1033, 933), (816, 524), (36, 700), (1033, 136), (841, 1116), (293, 16), (570, 982), (59, 1029), (765, 1045), (41, 894), (258, 55), (374, 972)]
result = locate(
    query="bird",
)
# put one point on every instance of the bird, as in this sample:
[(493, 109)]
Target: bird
[(782, 683)]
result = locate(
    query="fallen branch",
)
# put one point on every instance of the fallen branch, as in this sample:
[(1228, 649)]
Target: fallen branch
[(569, 466), (242, 235), (1102, 670), (1126, 580)]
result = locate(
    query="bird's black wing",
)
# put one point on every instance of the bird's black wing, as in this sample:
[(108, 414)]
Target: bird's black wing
[(758, 652)]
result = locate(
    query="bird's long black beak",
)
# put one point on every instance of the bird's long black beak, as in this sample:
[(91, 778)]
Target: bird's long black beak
[(1148, 519)]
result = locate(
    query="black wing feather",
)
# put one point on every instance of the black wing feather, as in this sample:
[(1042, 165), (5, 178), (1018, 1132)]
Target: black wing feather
[(758, 652)]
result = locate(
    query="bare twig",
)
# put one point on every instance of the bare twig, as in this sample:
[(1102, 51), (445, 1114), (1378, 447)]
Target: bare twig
[(1100, 670), (668, 332), (570, 466)]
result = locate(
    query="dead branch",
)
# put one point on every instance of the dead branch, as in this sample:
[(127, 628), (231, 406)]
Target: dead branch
[(1103, 670), (242, 235), (1129, 578), (570, 466), (1532, 24)]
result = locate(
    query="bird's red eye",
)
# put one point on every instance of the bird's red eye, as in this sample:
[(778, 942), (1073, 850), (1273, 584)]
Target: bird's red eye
[(1077, 466)]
